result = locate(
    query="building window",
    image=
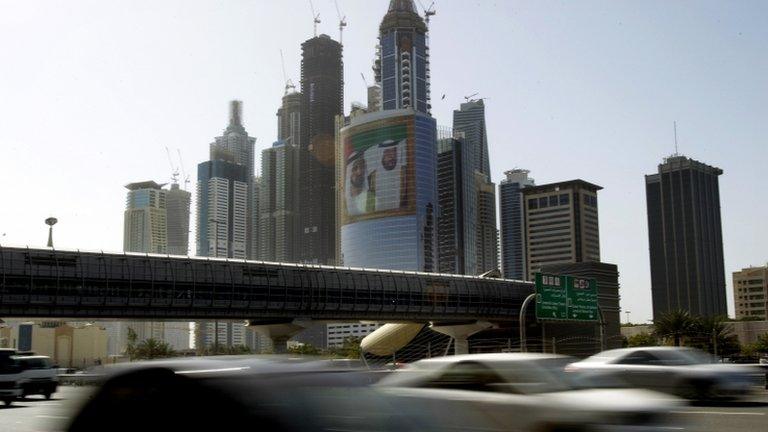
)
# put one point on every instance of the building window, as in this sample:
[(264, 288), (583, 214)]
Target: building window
[(565, 199), (533, 204), (543, 202)]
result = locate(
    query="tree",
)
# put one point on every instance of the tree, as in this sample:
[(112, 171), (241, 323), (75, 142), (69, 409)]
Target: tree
[(676, 324), (641, 340), (220, 349), (761, 345), (713, 334), (152, 349), (304, 349), (349, 349)]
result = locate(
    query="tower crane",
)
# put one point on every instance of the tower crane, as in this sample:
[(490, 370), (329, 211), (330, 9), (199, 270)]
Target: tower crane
[(174, 170), (315, 16), (428, 12), (288, 83), (183, 174), (342, 22)]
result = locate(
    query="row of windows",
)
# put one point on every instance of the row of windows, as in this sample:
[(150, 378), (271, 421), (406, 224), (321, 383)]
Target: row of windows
[(549, 201)]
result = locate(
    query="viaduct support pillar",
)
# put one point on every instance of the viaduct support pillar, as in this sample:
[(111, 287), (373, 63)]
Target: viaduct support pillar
[(279, 331), (460, 332)]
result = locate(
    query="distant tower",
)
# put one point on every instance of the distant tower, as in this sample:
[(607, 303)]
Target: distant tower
[(685, 237), (177, 203), (145, 218), (322, 98), (236, 143), (402, 68), (513, 257)]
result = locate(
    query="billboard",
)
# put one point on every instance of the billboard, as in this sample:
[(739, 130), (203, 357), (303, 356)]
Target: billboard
[(378, 170)]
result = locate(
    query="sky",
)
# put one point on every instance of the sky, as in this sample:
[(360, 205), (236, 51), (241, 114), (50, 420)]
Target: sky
[(92, 93)]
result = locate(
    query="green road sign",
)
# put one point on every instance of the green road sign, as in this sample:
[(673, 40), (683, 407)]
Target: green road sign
[(582, 299), (551, 298), (566, 298)]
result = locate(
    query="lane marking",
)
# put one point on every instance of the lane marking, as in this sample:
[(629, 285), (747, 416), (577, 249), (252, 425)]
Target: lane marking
[(52, 417), (719, 413)]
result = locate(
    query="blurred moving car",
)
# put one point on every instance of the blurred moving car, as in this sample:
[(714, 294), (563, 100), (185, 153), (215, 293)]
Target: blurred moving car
[(523, 392), (10, 376), (685, 372), (38, 376), (232, 393)]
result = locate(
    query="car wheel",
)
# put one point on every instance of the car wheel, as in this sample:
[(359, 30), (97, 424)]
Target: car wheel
[(7, 402), (698, 390), (47, 395)]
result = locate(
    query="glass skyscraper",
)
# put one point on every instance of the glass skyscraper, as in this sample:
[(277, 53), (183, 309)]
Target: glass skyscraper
[(511, 208), (388, 191), (402, 68), (686, 238)]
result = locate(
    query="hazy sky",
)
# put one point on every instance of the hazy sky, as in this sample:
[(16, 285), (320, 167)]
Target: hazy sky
[(91, 93)]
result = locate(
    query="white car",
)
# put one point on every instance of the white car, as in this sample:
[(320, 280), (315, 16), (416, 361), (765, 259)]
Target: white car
[(10, 377), (38, 376), (685, 372), (523, 392)]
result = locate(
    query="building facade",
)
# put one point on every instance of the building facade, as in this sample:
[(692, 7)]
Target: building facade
[(389, 191), (222, 200), (469, 123), (511, 209), (561, 224), (685, 238), (402, 67), (235, 146), (177, 203), (277, 203), (322, 99), (145, 218), (455, 229), (750, 293)]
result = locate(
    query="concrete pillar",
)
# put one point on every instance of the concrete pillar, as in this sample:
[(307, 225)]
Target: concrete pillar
[(279, 332), (460, 332)]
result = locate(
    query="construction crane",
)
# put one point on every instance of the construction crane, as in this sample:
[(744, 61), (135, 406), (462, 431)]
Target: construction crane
[(468, 98), (428, 12), (342, 22), (174, 170), (183, 174), (288, 83), (315, 16)]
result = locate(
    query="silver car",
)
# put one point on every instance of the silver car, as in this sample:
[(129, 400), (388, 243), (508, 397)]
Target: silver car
[(685, 372), (523, 392)]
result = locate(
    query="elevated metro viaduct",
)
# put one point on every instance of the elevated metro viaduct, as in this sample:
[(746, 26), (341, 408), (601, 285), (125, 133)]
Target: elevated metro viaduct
[(97, 285)]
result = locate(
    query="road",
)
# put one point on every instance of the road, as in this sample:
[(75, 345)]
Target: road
[(39, 415)]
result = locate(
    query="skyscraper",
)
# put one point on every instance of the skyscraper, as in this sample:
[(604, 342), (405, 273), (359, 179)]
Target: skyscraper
[(402, 68), (389, 192), (235, 144), (224, 193), (322, 99), (177, 203), (145, 227), (513, 256), (457, 223), (225, 199), (277, 203), (156, 221), (469, 123), (561, 224), (685, 236)]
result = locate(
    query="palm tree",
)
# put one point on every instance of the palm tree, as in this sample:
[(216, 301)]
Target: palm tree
[(676, 324), (714, 333)]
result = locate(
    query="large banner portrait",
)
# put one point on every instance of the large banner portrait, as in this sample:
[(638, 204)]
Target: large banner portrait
[(378, 170)]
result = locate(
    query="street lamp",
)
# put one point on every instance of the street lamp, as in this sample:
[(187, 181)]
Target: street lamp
[(51, 221)]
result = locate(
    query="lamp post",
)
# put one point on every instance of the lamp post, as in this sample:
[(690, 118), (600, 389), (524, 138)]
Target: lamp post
[(215, 222), (51, 221)]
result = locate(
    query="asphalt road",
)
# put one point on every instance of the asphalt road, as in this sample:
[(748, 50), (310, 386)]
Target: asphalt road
[(36, 414)]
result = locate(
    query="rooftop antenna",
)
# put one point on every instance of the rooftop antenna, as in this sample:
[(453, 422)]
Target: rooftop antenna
[(174, 170), (342, 22), (676, 151), (183, 174), (288, 83), (316, 17)]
